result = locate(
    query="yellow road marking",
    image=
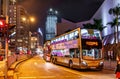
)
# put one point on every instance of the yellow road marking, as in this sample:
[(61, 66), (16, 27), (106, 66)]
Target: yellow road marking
[(37, 77)]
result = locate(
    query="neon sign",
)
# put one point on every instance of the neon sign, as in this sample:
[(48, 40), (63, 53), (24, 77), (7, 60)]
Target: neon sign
[(91, 43)]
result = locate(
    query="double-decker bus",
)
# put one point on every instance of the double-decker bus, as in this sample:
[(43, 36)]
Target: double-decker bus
[(79, 48), (47, 51)]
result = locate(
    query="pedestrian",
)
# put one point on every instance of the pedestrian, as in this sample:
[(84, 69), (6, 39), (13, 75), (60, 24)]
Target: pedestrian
[(118, 65)]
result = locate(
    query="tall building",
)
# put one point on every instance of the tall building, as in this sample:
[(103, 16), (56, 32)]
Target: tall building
[(12, 20), (12, 12), (22, 29), (4, 8), (51, 22), (19, 36)]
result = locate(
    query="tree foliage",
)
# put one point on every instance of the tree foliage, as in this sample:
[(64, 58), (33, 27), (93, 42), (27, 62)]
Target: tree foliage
[(96, 25), (115, 11)]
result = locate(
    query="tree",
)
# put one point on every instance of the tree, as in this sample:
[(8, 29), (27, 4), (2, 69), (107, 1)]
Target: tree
[(88, 26), (96, 25), (115, 23)]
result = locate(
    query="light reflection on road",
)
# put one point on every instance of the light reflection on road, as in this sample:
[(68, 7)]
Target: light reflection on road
[(37, 68)]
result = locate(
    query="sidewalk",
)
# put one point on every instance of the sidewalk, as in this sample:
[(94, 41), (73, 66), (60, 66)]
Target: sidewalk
[(10, 72), (110, 65)]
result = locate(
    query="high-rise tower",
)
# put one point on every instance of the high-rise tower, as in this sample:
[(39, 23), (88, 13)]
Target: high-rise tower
[(51, 22)]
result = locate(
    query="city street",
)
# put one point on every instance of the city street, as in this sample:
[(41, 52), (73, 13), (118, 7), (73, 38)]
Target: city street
[(37, 68)]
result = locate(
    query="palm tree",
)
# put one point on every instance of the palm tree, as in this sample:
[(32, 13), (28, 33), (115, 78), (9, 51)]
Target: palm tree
[(96, 25), (115, 12), (113, 24), (88, 26)]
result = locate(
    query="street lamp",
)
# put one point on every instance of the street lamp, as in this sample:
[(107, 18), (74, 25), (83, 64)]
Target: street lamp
[(24, 19), (32, 19)]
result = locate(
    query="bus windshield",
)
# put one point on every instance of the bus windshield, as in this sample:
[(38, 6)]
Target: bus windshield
[(92, 53)]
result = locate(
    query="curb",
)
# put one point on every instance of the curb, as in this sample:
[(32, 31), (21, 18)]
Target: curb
[(10, 73), (13, 66)]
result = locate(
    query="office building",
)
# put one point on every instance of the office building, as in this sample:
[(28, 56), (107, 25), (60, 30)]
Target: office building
[(51, 22)]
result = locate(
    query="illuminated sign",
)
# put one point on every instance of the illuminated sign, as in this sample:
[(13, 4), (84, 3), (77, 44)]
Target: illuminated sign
[(91, 43)]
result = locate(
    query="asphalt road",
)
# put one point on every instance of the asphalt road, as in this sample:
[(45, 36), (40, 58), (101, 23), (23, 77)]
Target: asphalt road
[(37, 68)]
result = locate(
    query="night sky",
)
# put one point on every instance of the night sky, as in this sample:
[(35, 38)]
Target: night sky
[(72, 10)]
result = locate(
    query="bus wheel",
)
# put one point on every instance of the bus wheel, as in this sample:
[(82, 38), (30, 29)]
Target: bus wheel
[(70, 64)]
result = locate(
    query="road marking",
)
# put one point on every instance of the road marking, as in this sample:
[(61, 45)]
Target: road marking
[(37, 77), (46, 77), (73, 71)]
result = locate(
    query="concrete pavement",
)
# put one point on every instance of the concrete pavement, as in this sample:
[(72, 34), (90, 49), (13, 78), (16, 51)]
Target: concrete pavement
[(11, 71), (109, 65)]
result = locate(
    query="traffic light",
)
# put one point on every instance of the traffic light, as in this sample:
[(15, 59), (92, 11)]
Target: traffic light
[(2, 22), (2, 26)]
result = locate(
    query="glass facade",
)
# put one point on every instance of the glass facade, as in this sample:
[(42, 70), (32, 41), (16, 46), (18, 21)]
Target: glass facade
[(51, 25)]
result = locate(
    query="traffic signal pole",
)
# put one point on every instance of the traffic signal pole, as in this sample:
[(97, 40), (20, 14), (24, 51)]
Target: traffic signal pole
[(6, 52), (4, 30)]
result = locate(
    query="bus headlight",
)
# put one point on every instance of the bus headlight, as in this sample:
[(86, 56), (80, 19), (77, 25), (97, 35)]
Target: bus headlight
[(101, 63), (84, 63)]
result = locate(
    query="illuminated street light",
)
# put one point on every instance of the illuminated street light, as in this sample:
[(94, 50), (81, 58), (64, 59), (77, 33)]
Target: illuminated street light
[(32, 19), (23, 19)]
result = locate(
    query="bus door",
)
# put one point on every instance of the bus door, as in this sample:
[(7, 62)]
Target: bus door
[(75, 54), (59, 55)]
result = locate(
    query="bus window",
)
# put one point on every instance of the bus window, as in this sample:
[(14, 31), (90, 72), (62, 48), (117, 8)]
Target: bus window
[(92, 54), (97, 54), (74, 53), (77, 53)]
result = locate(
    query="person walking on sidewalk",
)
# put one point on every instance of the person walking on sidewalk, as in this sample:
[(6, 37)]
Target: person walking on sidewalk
[(118, 65)]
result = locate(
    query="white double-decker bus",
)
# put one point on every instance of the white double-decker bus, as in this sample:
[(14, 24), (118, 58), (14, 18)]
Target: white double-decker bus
[(79, 48)]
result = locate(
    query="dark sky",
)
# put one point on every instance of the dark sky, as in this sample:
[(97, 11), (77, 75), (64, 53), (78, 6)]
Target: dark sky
[(73, 10)]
